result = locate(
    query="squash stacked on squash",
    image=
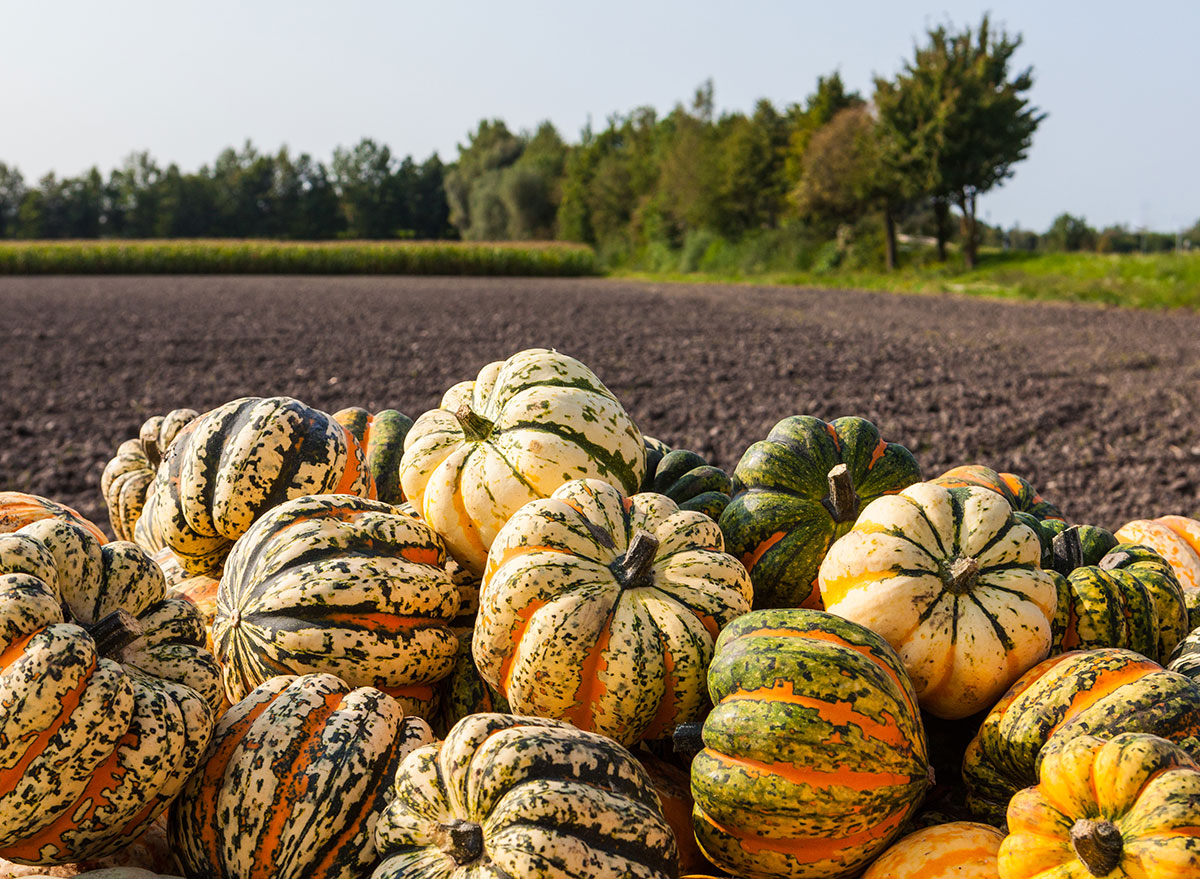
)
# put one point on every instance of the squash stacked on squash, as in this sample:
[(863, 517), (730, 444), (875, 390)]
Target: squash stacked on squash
[(602, 610), (798, 491), (232, 464), (106, 693), (686, 478), (1096, 692), (1126, 807), (814, 754), (955, 850), (524, 427), (294, 782), (508, 796), (128, 477), (18, 509), (952, 579), (1177, 539), (342, 585), (382, 439), (1017, 490)]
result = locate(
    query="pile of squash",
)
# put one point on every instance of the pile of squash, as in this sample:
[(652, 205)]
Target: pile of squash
[(517, 638)]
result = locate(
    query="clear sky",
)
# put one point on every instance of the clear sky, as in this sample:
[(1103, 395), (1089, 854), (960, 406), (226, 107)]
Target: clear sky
[(87, 83)]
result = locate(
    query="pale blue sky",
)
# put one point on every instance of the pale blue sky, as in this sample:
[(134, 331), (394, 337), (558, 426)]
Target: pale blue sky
[(86, 83)]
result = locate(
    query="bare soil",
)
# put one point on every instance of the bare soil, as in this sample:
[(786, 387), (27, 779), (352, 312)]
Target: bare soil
[(1096, 406)]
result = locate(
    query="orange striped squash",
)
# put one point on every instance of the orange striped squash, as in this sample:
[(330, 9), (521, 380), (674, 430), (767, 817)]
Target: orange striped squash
[(18, 509), (814, 757), (1177, 539), (293, 783), (602, 610), (957, 850)]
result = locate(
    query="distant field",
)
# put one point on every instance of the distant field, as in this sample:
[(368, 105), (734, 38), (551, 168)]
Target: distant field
[(1164, 280), (210, 256)]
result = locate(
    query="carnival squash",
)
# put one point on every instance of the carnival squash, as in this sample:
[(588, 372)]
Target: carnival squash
[(128, 477), (1125, 808), (953, 581), (799, 490), (294, 782), (382, 439), (1021, 496), (686, 478), (956, 850), (342, 585), (1177, 539), (602, 610), (18, 509), (527, 797), (106, 693), (524, 427), (814, 753)]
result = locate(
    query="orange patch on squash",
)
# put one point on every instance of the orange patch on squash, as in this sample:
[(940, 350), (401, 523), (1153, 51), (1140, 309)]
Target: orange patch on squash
[(751, 559), (518, 632), (591, 688), (808, 850), (812, 776)]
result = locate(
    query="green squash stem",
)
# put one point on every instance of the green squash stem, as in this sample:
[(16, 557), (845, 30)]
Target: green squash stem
[(475, 427)]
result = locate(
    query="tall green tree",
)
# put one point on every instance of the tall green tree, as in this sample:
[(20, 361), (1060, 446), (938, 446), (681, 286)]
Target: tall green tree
[(12, 192)]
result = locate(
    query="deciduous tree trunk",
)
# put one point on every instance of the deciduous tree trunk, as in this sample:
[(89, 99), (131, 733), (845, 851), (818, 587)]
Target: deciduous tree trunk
[(970, 244), (941, 216), (889, 225)]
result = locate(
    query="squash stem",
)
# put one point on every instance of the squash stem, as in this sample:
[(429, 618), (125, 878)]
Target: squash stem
[(475, 427), (462, 841), (842, 502), (117, 630), (1098, 844), (634, 569), (963, 574), (1068, 551), (687, 738)]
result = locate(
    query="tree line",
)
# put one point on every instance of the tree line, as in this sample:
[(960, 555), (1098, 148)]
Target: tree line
[(838, 178)]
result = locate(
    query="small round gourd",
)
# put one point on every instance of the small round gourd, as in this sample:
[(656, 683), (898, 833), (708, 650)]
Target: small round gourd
[(955, 850)]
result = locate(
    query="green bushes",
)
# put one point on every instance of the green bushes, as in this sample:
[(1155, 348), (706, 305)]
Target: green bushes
[(284, 257)]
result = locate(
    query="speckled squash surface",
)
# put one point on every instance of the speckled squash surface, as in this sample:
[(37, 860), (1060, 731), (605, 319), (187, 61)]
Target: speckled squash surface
[(128, 477), (18, 509), (1127, 808), (956, 850), (1094, 692), (1016, 489), (1177, 539), (342, 585), (381, 436), (814, 754), (798, 491), (602, 610), (106, 693), (232, 464), (1128, 598), (294, 782), (686, 478), (464, 691), (524, 427), (525, 797), (1185, 658), (952, 580)]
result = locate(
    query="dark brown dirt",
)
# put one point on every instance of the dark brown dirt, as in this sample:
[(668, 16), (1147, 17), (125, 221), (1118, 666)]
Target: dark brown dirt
[(1097, 407)]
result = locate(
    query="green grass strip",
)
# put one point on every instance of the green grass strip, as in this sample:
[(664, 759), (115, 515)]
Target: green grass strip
[(186, 257)]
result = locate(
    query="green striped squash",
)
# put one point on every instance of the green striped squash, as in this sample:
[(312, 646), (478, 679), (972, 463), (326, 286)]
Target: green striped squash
[(602, 610), (952, 579), (106, 693), (1185, 658), (686, 478), (1017, 490), (293, 783), (799, 490), (524, 427), (232, 464), (1088, 692), (525, 798), (814, 754), (1129, 597), (341, 585), (464, 691), (382, 439)]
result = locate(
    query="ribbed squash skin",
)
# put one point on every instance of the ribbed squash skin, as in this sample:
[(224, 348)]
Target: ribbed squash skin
[(294, 782), (18, 509), (951, 578), (1144, 788), (782, 519), (92, 747), (957, 850), (128, 477), (1129, 599), (464, 691), (1096, 692), (565, 632), (815, 756), (341, 585), (1185, 658), (1177, 539), (232, 464), (527, 425), (382, 438), (1016, 489), (686, 478), (507, 796)]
